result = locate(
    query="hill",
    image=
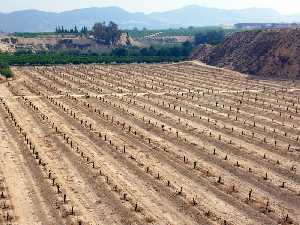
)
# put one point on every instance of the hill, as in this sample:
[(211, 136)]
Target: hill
[(40, 21), (202, 16), (271, 53)]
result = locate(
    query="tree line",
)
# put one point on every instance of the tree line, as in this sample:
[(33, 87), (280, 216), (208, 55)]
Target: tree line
[(74, 30), (117, 55), (52, 58)]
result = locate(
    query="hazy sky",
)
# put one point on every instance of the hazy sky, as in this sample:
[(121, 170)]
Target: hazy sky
[(283, 6)]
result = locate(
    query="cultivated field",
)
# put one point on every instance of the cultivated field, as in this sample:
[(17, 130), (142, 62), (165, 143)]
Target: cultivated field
[(148, 144)]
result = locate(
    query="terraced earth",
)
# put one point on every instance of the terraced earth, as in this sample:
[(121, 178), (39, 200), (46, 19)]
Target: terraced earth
[(148, 144)]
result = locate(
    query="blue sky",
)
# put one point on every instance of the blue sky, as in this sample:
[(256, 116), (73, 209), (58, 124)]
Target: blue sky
[(283, 6)]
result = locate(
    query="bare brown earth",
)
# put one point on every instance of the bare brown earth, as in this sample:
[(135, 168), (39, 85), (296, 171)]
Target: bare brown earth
[(5, 48), (148, 144), (50, 42), (269, 53)]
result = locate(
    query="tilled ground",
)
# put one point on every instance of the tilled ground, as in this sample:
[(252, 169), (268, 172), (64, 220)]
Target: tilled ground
[(148, 144)]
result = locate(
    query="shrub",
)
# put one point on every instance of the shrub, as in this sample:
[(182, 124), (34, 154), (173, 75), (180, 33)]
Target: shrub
[(5, 70)]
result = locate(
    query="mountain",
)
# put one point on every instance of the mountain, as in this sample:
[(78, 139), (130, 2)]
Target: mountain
[(89, 16), (271, 53), (27, 20), (40, 21), (201, 16), (293, 18)]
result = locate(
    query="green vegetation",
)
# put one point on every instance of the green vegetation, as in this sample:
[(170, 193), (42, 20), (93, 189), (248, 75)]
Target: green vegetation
[(32, 35), (62, 30), (106, 34), (212, 37), (59, 58), (5, 69), (190, 31), (181, 51), (134, 33), (103, 33), (109, 34), (58, 31), (118, 55)]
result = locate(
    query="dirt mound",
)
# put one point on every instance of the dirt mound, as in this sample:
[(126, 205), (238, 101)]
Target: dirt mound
[(2, 79), (202, 52), (271, 53)]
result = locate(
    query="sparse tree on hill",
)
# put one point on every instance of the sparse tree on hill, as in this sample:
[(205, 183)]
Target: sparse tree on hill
[(106, 34)]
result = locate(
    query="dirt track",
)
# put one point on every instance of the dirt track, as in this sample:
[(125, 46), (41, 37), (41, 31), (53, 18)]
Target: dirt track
[(148, 144)]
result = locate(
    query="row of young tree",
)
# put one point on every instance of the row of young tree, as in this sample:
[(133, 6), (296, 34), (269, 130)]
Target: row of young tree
[(74, 30), (66, 58), (118, 55)]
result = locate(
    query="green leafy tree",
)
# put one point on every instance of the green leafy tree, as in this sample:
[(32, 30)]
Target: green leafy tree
[(212, 37), (187, 48), (114, 33), (106, 34), (99, 32)]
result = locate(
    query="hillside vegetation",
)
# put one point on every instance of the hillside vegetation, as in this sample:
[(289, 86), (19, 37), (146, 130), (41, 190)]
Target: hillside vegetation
[(272, 53)]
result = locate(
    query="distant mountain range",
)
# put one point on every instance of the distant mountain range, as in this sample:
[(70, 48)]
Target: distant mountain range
[(40, 21)]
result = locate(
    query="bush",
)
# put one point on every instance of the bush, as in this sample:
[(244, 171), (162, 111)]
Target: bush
[(5, 70)]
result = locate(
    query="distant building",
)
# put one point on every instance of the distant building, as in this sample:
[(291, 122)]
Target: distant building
[(227, 26), (254, 26)]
